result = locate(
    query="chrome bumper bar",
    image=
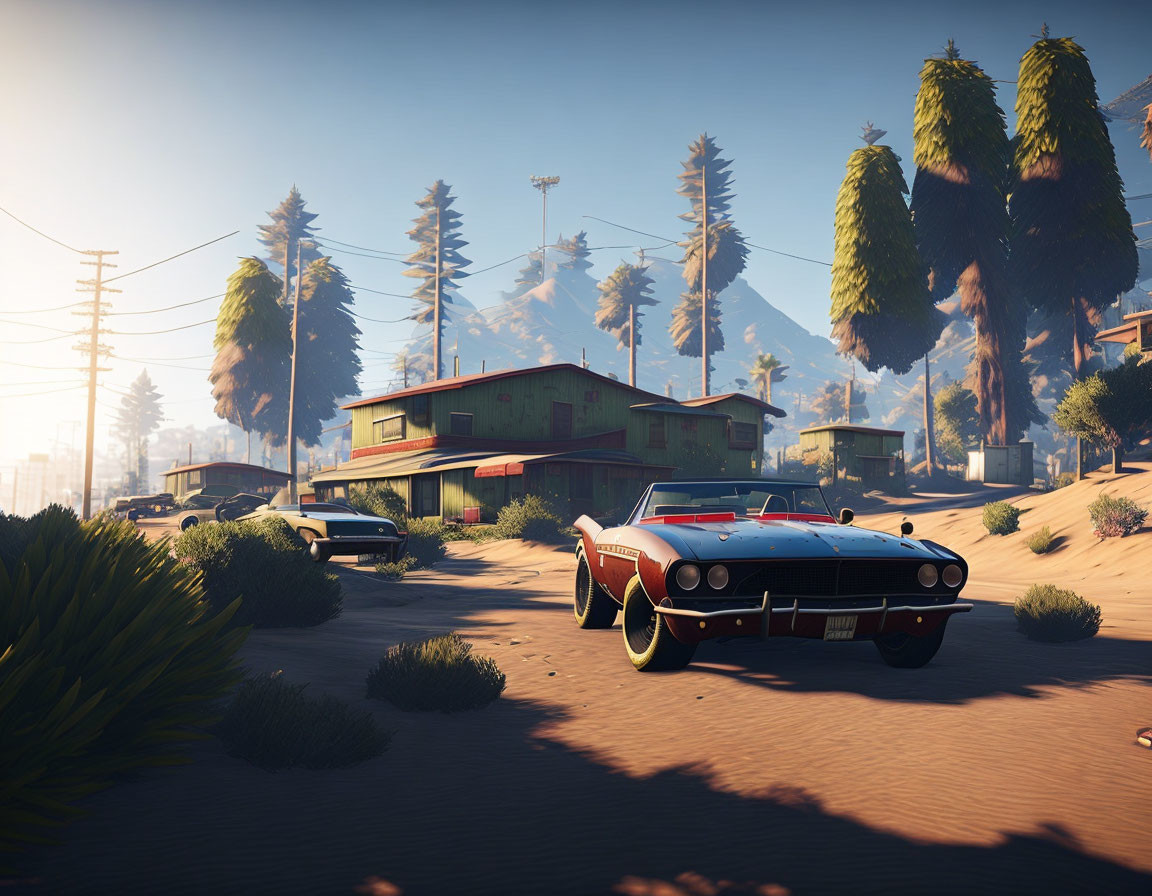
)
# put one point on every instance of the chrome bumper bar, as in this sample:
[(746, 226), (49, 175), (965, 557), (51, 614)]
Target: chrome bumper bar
[(766, 609)]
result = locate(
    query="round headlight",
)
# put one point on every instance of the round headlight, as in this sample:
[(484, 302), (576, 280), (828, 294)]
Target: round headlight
[(688, 576), (928, 575), (953, 575), (717, 577)]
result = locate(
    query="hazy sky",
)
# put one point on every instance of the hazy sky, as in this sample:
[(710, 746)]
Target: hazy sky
[(152, 127)]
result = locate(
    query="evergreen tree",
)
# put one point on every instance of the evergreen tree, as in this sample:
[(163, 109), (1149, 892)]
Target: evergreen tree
[(291, 226), (960, 212), (882, 310), (830, 404), (327, 353), (571, 256), (437, 234), (705, 182), (527, 279), (253, 349), (766, 371), (138, 416), (622, 294), (1073, 247)]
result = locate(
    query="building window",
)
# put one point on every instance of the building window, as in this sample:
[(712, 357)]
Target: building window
[(460, 424), (741, 435), (419, 410), (561, 420), (388, 429), (657, 438)]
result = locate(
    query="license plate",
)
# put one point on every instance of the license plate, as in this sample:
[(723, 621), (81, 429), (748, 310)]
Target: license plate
[(840, 628)]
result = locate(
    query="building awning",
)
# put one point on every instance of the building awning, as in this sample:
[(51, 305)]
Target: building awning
[(514, 464)]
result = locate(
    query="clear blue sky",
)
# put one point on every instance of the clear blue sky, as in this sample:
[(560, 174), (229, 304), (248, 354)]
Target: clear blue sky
[(151, 127)]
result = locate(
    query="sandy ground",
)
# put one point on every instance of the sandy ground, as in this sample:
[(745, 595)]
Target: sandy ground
[(1005, 766)]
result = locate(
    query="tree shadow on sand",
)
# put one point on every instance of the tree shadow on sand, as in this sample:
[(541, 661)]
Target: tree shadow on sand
[(478, 803)]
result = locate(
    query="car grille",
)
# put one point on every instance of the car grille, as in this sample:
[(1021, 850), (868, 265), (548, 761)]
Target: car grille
[(360, 529), (831, 578)]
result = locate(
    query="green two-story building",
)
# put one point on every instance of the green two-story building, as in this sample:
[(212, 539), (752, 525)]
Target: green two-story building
[(462, 448)]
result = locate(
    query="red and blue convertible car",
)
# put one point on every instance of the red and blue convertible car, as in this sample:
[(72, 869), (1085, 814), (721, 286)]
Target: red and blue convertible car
[(762, 557)]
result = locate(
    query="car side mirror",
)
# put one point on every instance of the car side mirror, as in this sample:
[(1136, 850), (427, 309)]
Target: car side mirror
[(905, 528), (133, 515), (846, 516)]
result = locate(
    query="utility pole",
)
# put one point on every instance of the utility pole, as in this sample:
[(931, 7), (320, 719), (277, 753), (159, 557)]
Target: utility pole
[(436, 372), (704, 287), (292, 383), (95, 349), (544, 184)]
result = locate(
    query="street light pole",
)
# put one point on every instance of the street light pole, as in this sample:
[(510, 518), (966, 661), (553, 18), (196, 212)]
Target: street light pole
[(292, 386), (544, 184)]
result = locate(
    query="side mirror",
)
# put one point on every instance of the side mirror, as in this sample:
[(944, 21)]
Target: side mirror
[(905, 528), (846, 516)]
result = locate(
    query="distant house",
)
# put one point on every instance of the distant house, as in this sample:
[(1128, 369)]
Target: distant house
[(461, 448), (1136, 328), (223, 478), (874, 457)]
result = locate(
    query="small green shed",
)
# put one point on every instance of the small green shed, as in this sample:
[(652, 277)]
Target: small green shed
[(871, 456)]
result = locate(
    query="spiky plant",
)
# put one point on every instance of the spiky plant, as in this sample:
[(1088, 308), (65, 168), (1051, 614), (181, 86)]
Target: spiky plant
[(705, 182), (959, 209), (291, 227), (437, 234), (1073, 247), (622, 294), (882, 310)]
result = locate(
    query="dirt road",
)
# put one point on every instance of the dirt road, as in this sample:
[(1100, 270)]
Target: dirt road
[(1005, 766)]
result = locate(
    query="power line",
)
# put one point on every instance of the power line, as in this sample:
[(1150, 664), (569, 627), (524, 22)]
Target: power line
[(395, 295), (376, 320), (826, 264), (20, 323), (169, 308), (37, 341), (42, 233), (46, 392), (171, 257), (38, 366), (44, 310), (155, 363), (501, 264), (201, 323), (362, 248), (629, 229)]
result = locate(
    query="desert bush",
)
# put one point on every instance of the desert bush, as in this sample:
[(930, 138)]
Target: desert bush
[(531, 518), (110, 655), (1048, 613), (264, 563), (436, 674), (425, 542), (1063, 480), (1040, 541), (1001, 518), (274, 724), (394, 571), (1114, 517), (379, 500)]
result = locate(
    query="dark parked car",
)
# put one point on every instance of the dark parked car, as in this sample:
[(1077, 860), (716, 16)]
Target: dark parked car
[(202, 508), (766, 558)]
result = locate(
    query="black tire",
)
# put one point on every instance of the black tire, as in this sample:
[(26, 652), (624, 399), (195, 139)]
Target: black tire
[(188, 523), (315, 553), (650, 645), (592, 606), (904, 651)]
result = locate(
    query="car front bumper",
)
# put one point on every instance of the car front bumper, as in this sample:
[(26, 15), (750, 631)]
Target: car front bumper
[(787, 618), (392, 547)]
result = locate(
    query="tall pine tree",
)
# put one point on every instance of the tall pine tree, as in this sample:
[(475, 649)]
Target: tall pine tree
[(960, 212), (437, 235), (622, 294), (253, 348), (1073, 247), (705, 182), (291, 226), (138, 416)]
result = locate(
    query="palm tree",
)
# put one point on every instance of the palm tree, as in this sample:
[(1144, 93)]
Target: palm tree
[(621, 295), (766, 371)]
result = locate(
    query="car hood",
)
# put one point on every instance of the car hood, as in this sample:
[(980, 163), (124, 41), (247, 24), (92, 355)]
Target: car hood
[(772, 539)]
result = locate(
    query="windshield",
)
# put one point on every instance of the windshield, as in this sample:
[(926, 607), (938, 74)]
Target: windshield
[(745, 499)]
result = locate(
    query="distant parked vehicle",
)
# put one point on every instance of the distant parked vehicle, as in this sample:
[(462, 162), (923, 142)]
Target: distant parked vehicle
[(212, 508), (143, 505), (335, 529)]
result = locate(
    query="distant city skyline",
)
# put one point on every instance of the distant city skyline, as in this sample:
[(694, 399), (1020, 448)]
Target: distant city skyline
[(151, 128)]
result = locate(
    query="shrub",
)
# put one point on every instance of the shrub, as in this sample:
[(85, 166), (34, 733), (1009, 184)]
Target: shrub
[(1001, 518), (1116, 517), (425, 543), (532, 518), (438, 673), (379, 500), (1040, 541), (394, 572), (264, 563), (1063, 480), (274, 724), (1048, 613), (109, 656)]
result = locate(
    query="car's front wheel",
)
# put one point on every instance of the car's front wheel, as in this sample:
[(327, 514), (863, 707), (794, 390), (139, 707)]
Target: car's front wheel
[(591, 605), (188, 523), (905, 651), (650, 645), (316, 553)]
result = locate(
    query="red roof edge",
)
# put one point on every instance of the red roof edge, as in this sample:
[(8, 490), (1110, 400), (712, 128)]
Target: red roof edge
[(743, 396)]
